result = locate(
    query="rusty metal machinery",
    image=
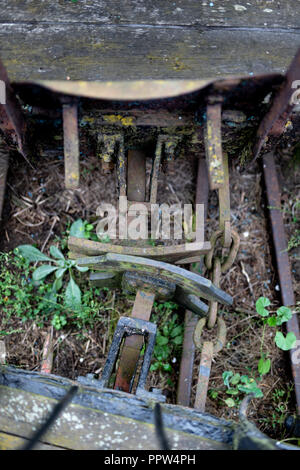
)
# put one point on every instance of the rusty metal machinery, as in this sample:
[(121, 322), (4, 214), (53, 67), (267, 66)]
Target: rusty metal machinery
[(176, 111)]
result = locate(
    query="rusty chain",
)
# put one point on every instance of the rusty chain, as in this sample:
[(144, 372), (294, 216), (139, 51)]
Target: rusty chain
[(229, 238)]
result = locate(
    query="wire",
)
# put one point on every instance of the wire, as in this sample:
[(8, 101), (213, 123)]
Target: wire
[(58, 408), (159, 428)]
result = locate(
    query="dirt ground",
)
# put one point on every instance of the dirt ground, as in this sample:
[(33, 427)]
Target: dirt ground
[(52, 209)]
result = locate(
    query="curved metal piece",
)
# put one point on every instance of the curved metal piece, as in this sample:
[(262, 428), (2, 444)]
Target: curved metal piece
[(248, 437), (191, 282), (124, 90), (190, 301), (275, 119)]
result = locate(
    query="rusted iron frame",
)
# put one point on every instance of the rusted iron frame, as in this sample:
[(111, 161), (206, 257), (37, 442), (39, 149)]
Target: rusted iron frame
[(3, 172), (128, 327), (136, 175), (133, 344), (13, 122), (121, 167), (71, 144), (282, 259), (274, 121), (190, 320), (155, 168)]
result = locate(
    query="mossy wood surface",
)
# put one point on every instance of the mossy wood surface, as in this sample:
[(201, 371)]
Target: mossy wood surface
[(101, 40)]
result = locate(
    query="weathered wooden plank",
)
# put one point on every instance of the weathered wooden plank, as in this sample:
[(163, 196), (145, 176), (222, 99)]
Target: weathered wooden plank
[(241, 13), (10, 442), (172, 254), (93, 52), (84, 428)]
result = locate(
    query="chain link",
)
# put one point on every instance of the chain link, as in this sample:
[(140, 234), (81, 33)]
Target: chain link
[(234, 248), (213, 306), (214, 263), (229, 238)]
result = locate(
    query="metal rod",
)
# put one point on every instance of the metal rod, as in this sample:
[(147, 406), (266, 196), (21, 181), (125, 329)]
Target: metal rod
[(213, 145), (3, 172), (71, 145), (282, 259), (204, 374), (190, 320)]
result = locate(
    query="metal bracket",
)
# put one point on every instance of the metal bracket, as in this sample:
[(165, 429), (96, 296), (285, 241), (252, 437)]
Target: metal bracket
[(127, 327)]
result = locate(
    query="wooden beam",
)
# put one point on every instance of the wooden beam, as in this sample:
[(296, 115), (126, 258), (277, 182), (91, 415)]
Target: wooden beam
[(11, 442), (83, 428), (112, 52), (242, 13)]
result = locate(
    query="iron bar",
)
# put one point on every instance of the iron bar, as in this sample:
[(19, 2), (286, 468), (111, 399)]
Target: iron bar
[(213, 145), (71, 145), (282, 258), (190, 319)]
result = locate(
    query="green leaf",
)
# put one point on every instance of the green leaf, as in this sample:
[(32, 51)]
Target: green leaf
[(178, 340), (283, 315), (250, 386), (167, 367), (264, 366), (272, 321), (56, 253), (162, 352), (235, 379), (77, 229), (261, 303), (57, 284), (165, 330), (61, 263), (251, 389), (32, 254), (82, 269), (245, 379), (230, 402), (226, 376), (285, 343), (161, 340), (213, 393), (154, 366), (43, 271), (232, 391), (72, 295), (60, 272), (176, 331)]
